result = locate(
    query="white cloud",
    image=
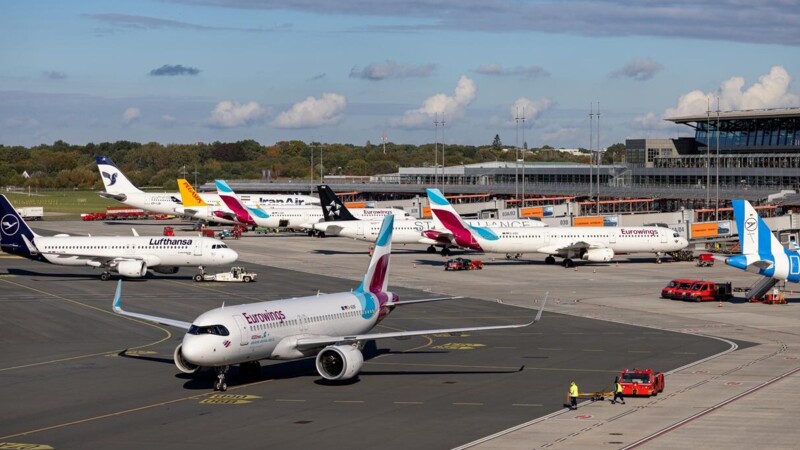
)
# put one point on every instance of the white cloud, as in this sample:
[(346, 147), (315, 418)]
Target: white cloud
[(448, 107), (229, 114), (772, 90), (530, 109), (640, 69), (131, 115), (313, 112), (390, 69), (526, 72)]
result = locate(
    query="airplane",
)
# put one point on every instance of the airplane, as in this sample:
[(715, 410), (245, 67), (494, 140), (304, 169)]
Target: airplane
[(339, 221), (332, 327), (129, 256), (593, 244), (762, 252), (197, 208), (119, 187), (292, 217)]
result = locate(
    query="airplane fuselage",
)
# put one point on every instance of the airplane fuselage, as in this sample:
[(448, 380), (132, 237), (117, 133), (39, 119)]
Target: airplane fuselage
[(785, 265), (170, 203)]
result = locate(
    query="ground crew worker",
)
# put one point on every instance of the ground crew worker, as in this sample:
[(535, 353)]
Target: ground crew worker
[(573, 396), (618, 392)]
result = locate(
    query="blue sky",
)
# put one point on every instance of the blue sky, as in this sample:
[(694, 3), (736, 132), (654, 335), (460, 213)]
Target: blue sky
[(185, 71)]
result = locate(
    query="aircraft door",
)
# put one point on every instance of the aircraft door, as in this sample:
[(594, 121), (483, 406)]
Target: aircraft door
[(244, 330), (794, 264), (198, 247), (360, 229), (303, 323), (663, 236), (612, 236)]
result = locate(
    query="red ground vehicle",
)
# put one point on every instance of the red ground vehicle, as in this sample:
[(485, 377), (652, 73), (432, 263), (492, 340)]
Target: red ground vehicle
[(705, 260), (641, 382), (207, 232), (708, 291), (670, 291), (463, 264), (169, 231)]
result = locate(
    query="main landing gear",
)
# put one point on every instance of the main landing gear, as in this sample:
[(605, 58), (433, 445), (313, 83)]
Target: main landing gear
[(219, 383), (549, 260), (105, 276), (658, 257), (445, 251), (567, 263), (431, 249)]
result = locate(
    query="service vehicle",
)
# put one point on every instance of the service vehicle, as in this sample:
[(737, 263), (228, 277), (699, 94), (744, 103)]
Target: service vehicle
[(31, 212), (236, 274), (674, 285), (708, 291), (169, 231), (705, 260), (641, 382), (463, 264)]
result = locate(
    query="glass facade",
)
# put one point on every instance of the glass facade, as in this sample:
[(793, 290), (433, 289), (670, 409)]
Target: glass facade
[(749, 134)]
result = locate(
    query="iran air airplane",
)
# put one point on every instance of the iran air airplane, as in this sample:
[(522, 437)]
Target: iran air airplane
[(340, 222), (278, 217), (595, 244), (120, 188), (762, 252), (332, 327), (129, 256)]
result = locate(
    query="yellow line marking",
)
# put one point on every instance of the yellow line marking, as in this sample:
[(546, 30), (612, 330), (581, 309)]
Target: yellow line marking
[(84, 305)]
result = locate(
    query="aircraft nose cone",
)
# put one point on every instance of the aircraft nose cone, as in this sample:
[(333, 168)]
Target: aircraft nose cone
[(231, 256), (192, 350)]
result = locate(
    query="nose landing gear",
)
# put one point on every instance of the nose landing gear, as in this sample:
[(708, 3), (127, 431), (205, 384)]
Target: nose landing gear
[(219, 383)]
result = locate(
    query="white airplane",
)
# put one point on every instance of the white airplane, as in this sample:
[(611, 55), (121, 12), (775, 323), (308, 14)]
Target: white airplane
[(197, 208), (129, 256), (339, 221), (120, 188), (595, 244), (332, 327), (291, 217)]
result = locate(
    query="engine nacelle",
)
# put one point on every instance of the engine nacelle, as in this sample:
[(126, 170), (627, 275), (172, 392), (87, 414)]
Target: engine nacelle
[(165, 269), (181, 363), (598, 255), (339, 362), (133, 269)]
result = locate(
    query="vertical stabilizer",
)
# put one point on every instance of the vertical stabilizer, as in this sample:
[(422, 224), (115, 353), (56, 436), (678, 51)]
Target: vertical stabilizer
[(113, 179), (377, 276), (464, 234), (755, 237), (332, 208), (243, 213), (15, 235), (189, 197)]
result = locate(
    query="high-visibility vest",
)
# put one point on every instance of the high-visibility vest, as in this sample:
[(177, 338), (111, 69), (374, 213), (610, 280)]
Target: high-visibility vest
[(619, 387), (573, 390)]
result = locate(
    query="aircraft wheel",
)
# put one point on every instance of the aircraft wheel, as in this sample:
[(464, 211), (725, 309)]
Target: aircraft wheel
[(105, 276), (568, 263), (549, 260), (431, 249), (198, 278)]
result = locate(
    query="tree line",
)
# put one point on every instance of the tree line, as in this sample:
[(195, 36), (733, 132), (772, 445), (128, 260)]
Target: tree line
[(62, 165)]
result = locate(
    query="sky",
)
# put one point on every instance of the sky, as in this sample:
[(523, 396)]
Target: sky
[(409, 71)]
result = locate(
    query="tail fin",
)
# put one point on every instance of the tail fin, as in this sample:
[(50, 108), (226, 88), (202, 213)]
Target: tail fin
[(332, 208), (15, 235), (243, 213), (755, 237), (464, 234), (189, 197), (113, 179), (377, 276)]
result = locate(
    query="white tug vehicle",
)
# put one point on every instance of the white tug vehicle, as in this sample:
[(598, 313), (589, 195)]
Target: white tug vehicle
[(236, 274)]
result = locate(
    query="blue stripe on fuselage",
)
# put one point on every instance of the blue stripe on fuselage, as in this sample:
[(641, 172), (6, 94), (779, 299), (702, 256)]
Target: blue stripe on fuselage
[(484, 233)]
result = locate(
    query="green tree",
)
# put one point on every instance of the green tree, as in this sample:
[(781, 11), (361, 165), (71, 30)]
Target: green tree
[(497, 143)]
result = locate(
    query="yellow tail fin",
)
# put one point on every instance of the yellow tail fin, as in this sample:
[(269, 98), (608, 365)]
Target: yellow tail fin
[(189, 196)]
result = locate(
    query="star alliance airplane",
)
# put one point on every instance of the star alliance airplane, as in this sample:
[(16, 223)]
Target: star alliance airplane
[(330, 327)]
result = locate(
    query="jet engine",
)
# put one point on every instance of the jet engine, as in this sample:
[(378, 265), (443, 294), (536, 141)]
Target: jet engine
[(165, 269), (339, 362), (181, 363), (132, 268), (598, 255)]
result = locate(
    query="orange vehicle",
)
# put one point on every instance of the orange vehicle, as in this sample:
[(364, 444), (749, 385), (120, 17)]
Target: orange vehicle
[(641, 382), (681, 284)]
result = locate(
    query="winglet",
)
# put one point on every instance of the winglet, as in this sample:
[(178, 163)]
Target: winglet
[(117, 305)]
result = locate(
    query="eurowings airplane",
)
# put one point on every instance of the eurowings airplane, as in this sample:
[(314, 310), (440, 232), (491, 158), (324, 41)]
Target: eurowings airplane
[(120, 188), (292, 217), (197, 208), (129, 256), (339, 221), (595, 244), (332, 327), (762, 252)]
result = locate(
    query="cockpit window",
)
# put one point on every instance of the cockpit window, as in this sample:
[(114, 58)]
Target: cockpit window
[(218, 330), (676, 235)]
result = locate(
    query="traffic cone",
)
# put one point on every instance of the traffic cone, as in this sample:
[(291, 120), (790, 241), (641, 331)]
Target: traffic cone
[(720, 304), (576, 268), (594, 270), (415, 265)]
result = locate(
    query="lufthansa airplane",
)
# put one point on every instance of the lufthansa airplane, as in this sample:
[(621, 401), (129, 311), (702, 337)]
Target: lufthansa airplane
[(595, 244), (762, 252), (339, 221), (120, 188), (129, 256), (332, 327)]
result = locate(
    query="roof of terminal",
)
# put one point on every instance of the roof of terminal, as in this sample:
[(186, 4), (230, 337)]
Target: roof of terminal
[(748, 114)]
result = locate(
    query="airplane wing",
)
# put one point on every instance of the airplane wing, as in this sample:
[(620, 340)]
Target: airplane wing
[(117, 306), (312, 342), (573, 246), (423, 300)]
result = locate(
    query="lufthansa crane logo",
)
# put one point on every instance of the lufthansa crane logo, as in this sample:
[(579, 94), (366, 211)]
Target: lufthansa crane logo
[(751, 224), (10, 225)]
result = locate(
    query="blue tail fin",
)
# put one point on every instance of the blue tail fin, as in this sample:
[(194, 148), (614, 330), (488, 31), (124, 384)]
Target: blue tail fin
[(15, 236)]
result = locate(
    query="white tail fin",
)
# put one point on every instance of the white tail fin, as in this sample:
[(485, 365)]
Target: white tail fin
[(755, 237), (113, 179)]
